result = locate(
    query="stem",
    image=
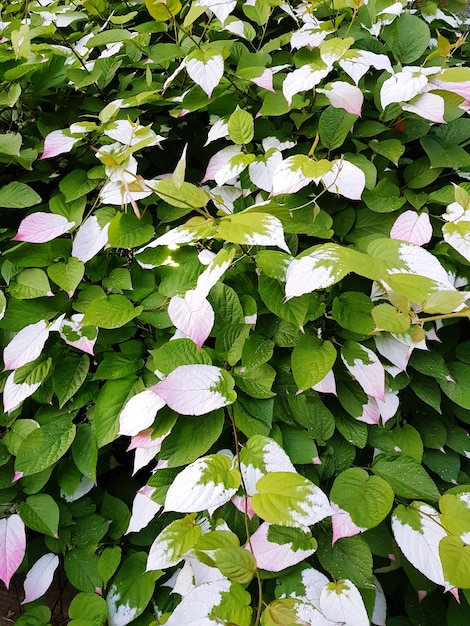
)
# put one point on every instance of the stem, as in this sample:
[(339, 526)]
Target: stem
[(434, 318)]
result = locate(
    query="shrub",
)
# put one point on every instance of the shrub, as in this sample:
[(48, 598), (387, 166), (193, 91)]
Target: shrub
[(235, 254)]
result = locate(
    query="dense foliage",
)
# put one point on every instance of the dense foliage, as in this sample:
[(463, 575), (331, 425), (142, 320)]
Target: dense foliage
[(235, 252)]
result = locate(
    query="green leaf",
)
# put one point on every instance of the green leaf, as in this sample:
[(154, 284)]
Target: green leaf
[(10, 144), (334, 126), (115, 511), (391, 149), (349, 558), (188, 196), (44, 446), (85, 451), (237, 563), (175, 540), (256, 351), (179, 352), (368, 499), (115, 365), (352, 310), (406, 476), (308, 410), (40, 513), (455, 558), (311, 361), (163, 10), (241, 127), (131, 588), (420, 174), (457, 386), (67, 275), (69, 375), (108, 563), (30, 284), (408, 37), (18, 196), (80, 566), (76, 184), (444, 153), (294, 311), (110, 312), (386, 317), (34, 372), (109, 404), (127, 231), (257, 381), (409, 441), (90, 607)]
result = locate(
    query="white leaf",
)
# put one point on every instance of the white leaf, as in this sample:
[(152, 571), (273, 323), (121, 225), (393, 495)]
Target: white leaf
[(221, 168), (396, 351), (42, 227), (303, 79), (84, 486), (356, 63), (14, 394), (139, 412), (389, 405), (26, 345), (379, 616), (129, 134), (144, 510), (274, 557), (39, 578), (342, 602), (346, 179), (90, 239), (345, 96), (221, 9), (262, 170), (12, 546), (365, 367), (418, 261), (412, 227), (214, 272), (288, 177), (405, 85), (218, 130), (262, 455), (265, 80), (313, 582), (58, 142), (327, 384), (207, 483), (194, 389), (309, 36), (429, 106), (418, 533), (206, 73), (124, 192), (195, 608), (192, 315)]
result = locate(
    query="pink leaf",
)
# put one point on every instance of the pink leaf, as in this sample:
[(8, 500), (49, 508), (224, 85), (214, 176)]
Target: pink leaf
[(57, 142), (265, 80), (39, 577), (41, 227), (90, 239), (243, 504), (195, 389), (26, 345), (345, 96), (275, 557), (327, 384), (342, 524), (12, 546), (192, 315), (412, 227)]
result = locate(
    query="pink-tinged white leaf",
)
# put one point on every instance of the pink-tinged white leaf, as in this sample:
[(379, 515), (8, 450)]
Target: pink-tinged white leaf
[(12, 546), (396, 351), (389, 406), (265, 80), (58, 142), (262, 455), (288, 177), (370, 412), (207, 483), (220, 9), (146, 448), (39, 578), (144, 456), (412, 227), (429, 106), (342, 524), (379, 616), (123, 192), (14, 394), (342, 602), (219, 167), (345, 179), (192, 575), (72, 332), (90, 239), (196, 607), (144, 509), (262, 170), (192, 315), (418, 533), (405, 85), (195, 389), (365, 367), (243, 504), (461, 89), (42, 227), (327, 384), (318, 270), (274, 557), (207, 73), (344, 96), (218, 130), (356, 63), (270, 143), (313, 582), (309, 36), (303, 79), (26, 345), (140, 412)]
